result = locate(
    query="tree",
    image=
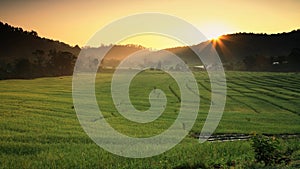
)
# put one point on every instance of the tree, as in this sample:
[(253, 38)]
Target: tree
[(294, 59), (23, 68), (33, 33), (39, 57), (262, 63), (249, 62), (159, 65), (62, 62)]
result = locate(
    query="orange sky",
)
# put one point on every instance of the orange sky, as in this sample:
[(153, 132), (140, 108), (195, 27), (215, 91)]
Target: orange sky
[(75, 21)]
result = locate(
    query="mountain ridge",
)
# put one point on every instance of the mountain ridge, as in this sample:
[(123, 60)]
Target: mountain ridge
[(24, 54)]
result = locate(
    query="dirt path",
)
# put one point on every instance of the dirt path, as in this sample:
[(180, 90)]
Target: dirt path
[(238, 137)]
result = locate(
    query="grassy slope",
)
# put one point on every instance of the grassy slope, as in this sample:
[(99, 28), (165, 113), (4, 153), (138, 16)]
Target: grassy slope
[(39, 127)]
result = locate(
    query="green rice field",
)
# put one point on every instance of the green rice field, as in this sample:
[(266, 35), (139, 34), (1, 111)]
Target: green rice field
[(39, 127)]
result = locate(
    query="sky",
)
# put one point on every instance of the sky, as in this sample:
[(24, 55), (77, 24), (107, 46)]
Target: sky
[(75, 21)]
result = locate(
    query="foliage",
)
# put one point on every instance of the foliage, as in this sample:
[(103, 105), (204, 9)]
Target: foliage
[(26, 55), (269, 151)]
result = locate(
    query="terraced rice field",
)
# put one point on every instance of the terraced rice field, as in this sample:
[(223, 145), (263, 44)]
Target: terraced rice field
[(39, 127)]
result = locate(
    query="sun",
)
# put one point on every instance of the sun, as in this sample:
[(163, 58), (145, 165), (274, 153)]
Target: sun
[(214, 33), (215, 38), (213, 30)]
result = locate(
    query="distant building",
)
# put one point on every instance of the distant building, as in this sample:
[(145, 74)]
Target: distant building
[(200, 67)]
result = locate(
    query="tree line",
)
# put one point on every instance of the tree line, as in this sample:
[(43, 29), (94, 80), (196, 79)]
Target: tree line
[(23, 54)]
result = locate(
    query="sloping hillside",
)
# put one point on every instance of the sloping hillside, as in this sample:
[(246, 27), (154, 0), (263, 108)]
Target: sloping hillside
[(259, 52), (251, 52), (23, 54)]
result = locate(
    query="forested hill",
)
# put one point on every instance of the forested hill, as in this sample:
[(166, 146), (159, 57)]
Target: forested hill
[(260, 52), (23, 54), (252, 52)]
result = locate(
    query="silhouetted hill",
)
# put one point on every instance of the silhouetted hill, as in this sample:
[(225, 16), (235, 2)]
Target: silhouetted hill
[(24, 54), (260, 52), (252, 52)]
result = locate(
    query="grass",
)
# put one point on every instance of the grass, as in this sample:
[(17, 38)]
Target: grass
[(39, 127)]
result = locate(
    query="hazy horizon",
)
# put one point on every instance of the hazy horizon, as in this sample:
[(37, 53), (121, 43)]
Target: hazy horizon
[(74, 22), (138, 40)]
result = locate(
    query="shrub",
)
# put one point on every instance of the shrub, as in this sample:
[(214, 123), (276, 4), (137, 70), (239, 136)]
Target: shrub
[(268, 151)]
